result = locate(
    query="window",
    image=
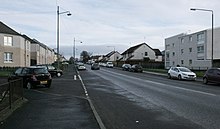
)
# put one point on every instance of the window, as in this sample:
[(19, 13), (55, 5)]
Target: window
[(190, 50), (182, 62), (190, 62), (8, 57), (200, 49), (181, 51), (173, 63), (173, 45), (173, 53), (190, 38), (182, 40), (200, 37), (146, 54), (7, 40)]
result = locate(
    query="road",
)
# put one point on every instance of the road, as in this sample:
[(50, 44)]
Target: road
[(126, 100)]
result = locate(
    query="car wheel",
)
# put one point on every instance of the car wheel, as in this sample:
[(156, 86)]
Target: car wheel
[(59, 74), (29, 86), (180, 77), (169, 77), (205, 80)]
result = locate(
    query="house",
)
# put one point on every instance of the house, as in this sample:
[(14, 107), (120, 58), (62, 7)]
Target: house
[(41, 54), (192, 50), (14, 48), (141, 52), (113, 56)]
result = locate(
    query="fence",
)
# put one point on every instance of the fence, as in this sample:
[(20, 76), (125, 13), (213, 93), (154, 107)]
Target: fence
[(10, 92)]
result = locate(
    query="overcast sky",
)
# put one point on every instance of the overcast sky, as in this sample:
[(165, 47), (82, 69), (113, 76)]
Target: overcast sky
[(102, 23)]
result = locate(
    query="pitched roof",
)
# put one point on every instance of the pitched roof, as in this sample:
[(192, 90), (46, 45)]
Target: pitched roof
[(132, 49), (111, 53), (157, 52), (7, 30)]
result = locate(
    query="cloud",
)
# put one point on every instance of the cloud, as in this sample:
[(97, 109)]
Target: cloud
[(98, 22)]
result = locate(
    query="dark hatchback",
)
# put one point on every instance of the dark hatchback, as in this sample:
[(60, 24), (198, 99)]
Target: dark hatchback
[(126, 67), (32, 76), (136, 68), (53, 70), (95, 66), (212, 75)]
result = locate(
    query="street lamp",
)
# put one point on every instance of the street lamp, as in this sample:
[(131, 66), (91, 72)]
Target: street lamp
[(208, 10), (74, 44), (58, 33)]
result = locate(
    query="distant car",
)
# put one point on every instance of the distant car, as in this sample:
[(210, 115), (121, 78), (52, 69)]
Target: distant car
[(126, 67), (53, 70), (136, 68), (181, 73), (212, 75), (80, 66), (32, 76), (109, 65), (95, 66)]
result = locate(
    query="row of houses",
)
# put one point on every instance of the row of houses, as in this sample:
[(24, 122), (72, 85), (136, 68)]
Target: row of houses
[(19, 50), (136, 54)]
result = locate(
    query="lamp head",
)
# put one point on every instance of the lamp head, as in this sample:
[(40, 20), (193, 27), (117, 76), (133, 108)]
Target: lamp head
[(69, 14), (193, 9)]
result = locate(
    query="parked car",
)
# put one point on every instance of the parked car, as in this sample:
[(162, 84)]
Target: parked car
[(80, 66), (32, 76), (95, 66), (126, 67), (109, 65), (136, 68), (181, 73), (212, 75), (53, 70)]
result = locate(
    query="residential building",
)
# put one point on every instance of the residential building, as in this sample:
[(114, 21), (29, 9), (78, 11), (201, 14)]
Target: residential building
[(14, 48), (192, 50), (41, 54), (113, 56), (142, 52)]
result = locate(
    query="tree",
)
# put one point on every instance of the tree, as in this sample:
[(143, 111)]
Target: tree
[(85, 56), (71, 60)]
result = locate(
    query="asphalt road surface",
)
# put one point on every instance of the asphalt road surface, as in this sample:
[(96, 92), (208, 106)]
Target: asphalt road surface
[(127, 100)]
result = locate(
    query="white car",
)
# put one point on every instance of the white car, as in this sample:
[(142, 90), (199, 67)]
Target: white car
[(81, 66), (182, 73), (109, 65)]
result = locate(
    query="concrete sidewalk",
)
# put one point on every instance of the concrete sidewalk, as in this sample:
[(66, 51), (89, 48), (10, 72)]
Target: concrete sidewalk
[(63, 106)]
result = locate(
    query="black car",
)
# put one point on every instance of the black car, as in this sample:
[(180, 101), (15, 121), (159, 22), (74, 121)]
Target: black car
[(136, 68), (53, 70), (95, 66), (32, 76), (212, 75), (126, 67)]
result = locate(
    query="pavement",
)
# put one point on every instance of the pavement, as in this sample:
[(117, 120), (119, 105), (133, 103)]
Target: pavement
[(63, 106)]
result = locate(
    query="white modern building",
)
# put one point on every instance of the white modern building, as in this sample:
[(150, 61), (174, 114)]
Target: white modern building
[(192, 50)]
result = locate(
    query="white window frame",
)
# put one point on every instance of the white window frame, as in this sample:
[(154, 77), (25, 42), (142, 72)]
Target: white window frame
[(8, 41), (8, 57)]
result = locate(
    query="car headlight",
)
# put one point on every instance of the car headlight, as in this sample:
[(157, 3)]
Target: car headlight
[(184, 74)]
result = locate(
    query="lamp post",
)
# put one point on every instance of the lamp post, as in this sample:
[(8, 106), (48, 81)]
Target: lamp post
[(74, 45), (208, 10), (58, 33)]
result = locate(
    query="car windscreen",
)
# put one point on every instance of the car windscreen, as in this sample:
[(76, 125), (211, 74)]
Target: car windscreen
[(184, 70), (39, 70)]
